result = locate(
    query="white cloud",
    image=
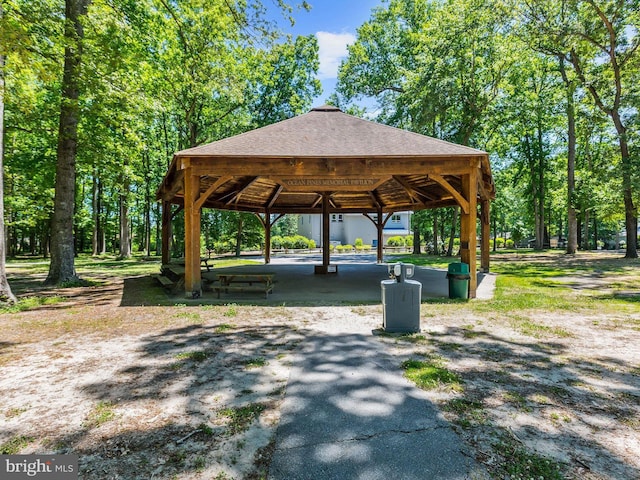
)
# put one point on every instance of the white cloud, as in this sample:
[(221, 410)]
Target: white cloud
[(332, 49)]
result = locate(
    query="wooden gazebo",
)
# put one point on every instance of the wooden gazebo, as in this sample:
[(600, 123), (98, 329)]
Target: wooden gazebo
[(326, 162)]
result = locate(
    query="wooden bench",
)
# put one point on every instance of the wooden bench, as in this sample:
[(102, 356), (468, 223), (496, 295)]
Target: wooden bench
[(205, 261), (251, 282), (171, 277), (266, 289), (164, 281)]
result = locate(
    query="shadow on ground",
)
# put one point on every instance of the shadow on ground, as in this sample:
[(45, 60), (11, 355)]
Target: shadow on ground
[(349, 413), (166, 405), (534, 395)]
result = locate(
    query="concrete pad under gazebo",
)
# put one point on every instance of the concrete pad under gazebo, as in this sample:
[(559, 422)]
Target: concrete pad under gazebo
[(326, 162), (357, 283)]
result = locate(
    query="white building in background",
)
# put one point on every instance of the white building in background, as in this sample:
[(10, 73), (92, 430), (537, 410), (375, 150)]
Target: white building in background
[(344, 228)]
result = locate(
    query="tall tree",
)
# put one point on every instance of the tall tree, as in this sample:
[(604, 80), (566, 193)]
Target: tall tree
[(599, 39), (572, 219), (62, 268), (6, 295), (609, 35), (434, 67)]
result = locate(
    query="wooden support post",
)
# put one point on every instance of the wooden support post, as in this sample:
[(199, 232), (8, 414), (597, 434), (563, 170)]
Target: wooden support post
[(326, 242), (267, 237), (166, 232), (468, 242), (192, 278), (485, 239), (379, 228)]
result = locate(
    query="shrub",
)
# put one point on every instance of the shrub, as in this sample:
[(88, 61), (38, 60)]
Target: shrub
[(276, 242), (499, 242), (396, 241), (408, 240), (223, 247), (312, 243), (295, 241), (510, 243), (358, 242)]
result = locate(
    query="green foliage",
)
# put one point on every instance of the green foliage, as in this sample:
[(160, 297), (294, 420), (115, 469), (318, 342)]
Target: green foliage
[(521, 464), (14, 445), (430, 374), (292, 242), (101, 413), (31, 302), (397, 241), (240, 418)]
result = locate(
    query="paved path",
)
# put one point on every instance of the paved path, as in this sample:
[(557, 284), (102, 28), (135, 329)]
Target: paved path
[(349, 414)]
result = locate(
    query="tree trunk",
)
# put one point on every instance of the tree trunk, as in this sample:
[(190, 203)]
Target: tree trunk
[(239, 235), (147, 207), (540, 218), (452, 233), (125, 238), (95, 206), (630, 210), (572, 227), (436, 250), (585, 237), (62, 268), (6, 295)]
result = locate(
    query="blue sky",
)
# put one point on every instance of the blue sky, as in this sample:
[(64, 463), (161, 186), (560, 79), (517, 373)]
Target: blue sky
[(334, 23)]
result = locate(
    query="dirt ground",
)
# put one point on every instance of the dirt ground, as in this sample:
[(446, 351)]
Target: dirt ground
[(186, 392)]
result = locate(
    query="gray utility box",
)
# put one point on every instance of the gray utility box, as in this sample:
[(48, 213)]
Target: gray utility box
[(401, 300)]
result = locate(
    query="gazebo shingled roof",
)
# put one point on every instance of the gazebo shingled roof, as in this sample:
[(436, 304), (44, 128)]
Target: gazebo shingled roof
[(326, 161)]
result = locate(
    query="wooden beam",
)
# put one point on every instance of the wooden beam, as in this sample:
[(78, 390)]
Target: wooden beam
[(376, 200), (177, 211), (482, 189), (192, 276), (317, 201), (352, 167), (169, 191), (214, 186), (412, 191), (238, 193), (464, 203), (407, 188), (275, 196)]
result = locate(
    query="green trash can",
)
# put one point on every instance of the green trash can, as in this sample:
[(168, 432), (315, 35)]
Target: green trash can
[(458, 275)]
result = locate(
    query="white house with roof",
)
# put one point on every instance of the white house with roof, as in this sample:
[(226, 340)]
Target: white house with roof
[(346, 227)]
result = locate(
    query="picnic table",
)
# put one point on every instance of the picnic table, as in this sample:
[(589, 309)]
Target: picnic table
[(245, 282)]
